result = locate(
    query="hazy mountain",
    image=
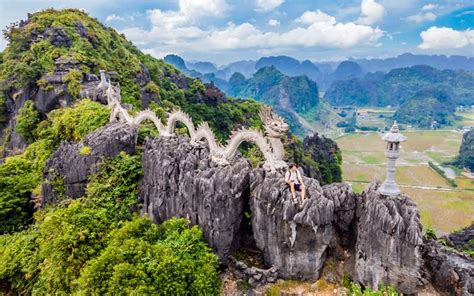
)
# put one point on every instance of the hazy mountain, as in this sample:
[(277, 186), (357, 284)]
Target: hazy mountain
[(347, 70), (202, 67), (290, 66), (246, 68), (407, 60)]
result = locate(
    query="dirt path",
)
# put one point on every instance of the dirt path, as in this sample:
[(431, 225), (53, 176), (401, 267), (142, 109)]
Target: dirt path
[(417, 186)]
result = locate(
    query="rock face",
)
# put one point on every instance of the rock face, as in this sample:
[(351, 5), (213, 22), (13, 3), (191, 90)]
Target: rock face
[(296, 241), (180, 181), (388, 240), (377, 239), (451, 273), (72, 167)]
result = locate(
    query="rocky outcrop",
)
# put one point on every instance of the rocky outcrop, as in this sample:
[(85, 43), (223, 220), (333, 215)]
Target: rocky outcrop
[(71, 164), (388, 240), (462, 239), (181, 181), (254, 275), (294, 240), (451, 273)]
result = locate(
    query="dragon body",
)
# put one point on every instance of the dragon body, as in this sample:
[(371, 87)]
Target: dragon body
[(269, 143)]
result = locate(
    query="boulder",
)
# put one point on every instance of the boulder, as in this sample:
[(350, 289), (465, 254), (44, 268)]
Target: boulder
[(181, 181), (450, 273), (71, 167)]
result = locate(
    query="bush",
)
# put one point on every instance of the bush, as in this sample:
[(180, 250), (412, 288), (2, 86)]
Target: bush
[(430, 234), (26, 121), (73, 79), (115, 186), (144, 258), (19, 261)]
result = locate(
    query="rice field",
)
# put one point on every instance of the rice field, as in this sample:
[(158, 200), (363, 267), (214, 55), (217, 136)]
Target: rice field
[(442, 207)]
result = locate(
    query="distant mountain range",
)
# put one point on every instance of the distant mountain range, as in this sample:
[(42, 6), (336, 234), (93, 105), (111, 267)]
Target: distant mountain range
[(398, 85), (295, 88), (324, 73)]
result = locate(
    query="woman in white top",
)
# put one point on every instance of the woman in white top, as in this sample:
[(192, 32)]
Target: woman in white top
[(294, 180)]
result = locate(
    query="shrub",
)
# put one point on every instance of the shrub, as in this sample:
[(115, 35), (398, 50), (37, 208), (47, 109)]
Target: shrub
[(115, 186), (430, 233), (19, 261), (85, 150), (26, 121), (144, 258), (73, 79)]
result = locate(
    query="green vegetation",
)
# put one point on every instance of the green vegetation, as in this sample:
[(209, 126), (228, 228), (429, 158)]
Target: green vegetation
[(26, 121), (21, 174), (427, 108), (96, 244), (401, 84), (85, 150), (465, 159), (285, 94), (354, 289)]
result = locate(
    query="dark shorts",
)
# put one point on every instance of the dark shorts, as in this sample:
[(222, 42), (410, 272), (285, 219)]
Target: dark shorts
[(298, 187)]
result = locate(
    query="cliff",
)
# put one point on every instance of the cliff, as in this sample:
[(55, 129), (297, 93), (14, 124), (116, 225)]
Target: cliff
[(376, 239)]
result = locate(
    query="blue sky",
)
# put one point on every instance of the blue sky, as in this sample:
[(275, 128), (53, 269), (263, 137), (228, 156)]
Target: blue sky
[(223, 31)]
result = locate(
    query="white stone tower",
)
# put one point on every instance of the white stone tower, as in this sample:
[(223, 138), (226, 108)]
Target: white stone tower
[(393, 139)]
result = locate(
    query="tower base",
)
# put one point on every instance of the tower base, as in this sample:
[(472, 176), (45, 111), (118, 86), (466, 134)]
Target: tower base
[(389, 188)]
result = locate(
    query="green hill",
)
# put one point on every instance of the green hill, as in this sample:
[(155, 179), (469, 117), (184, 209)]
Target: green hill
[(401, 84), (295, 98), (427, 108)]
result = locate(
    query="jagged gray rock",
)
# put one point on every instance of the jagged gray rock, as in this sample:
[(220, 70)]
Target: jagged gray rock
[(388, 239), (296, 241), (181, 181), (450, 272), (69, 165)]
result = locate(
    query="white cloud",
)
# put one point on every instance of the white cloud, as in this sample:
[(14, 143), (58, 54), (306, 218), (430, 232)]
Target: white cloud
[(324, 31), (421, 17), (114, 17), (429, 7), (179, 32), (267, 5), (371, 12), (312, 17), (189, 11), (274, 23), (446, 38)]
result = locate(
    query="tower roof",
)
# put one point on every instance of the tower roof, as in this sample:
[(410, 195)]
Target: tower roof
[(394, 134)]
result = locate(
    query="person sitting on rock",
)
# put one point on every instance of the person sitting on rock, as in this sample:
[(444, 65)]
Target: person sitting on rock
[(295, 182)]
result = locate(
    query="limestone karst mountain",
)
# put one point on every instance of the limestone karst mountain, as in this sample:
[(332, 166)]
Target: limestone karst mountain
[(96, 185)]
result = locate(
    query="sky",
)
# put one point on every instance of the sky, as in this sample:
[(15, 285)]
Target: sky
[(224, 31)]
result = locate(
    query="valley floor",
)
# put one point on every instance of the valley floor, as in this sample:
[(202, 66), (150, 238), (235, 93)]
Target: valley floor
[(442, 207)]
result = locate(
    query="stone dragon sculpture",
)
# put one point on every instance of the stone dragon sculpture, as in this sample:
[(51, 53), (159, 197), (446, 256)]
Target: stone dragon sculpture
[(270, 144)]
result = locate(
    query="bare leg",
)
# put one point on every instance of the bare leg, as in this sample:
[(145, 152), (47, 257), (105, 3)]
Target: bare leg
[(292, 190), (303, 192)]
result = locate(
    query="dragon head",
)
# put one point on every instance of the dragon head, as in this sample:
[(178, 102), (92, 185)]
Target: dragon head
[(274, 125)]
